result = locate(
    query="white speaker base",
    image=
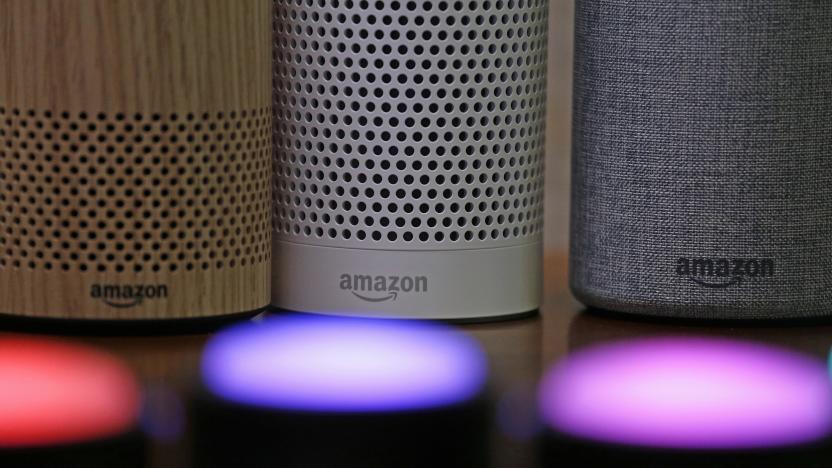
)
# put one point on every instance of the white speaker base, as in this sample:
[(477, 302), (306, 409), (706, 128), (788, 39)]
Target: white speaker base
[(442, 285)]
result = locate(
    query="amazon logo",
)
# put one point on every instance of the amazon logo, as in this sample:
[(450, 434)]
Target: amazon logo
[(381, 288), (722, 273), (127, 296)]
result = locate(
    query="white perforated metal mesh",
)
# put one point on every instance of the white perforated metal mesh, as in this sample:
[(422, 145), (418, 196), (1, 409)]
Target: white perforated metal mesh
[(409, 124)]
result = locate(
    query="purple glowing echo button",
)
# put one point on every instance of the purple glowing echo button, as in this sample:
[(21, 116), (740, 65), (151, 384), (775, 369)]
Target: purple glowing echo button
[(689, 394), (343, 365)]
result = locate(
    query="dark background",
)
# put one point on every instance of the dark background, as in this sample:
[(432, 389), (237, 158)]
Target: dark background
[(561, 19)]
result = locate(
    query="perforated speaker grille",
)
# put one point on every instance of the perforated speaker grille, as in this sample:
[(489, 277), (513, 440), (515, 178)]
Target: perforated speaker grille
[(134, 193), (409, 124)]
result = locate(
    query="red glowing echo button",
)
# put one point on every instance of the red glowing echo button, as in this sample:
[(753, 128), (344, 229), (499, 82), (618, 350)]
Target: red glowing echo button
[(54, 393)]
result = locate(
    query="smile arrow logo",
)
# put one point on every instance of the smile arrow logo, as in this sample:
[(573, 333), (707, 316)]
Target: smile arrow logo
[(736, 281), (390, 297)]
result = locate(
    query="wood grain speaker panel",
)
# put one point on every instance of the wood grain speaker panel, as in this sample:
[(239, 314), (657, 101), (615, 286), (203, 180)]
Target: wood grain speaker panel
[(135, 158)]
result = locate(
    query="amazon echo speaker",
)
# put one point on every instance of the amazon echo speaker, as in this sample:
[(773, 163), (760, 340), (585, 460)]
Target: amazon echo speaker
[(409, 147), (66, 405), (701, 158), (686, 402), (135, 145), (305, 391)]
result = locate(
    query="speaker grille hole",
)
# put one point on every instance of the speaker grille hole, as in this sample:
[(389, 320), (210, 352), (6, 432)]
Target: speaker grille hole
[(134, 193), (409, 123)]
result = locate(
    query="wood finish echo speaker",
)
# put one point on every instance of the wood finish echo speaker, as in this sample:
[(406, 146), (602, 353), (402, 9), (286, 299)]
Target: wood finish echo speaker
[(135, 146), (702, 168), (409, 147)]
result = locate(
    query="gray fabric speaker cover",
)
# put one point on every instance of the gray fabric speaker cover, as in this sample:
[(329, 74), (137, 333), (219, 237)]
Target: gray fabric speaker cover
[(702, 166)]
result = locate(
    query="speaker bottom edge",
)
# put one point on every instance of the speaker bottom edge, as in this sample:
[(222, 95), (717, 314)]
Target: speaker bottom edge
[(699, 313), (459, 286), (461, 321), (126, 327)]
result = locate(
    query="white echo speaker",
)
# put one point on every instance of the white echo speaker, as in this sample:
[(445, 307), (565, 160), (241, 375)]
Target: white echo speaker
[(409, 151)]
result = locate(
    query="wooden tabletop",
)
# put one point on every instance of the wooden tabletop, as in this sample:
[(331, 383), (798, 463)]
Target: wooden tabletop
[(519, 351)]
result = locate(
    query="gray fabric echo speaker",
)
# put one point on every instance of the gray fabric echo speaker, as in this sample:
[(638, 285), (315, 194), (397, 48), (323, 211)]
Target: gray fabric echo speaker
[(409, 146), (703, 158)]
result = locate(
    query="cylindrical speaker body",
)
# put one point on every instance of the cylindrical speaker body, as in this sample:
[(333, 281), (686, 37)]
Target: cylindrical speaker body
[(701, 158), (409, 147), (135, 145)]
